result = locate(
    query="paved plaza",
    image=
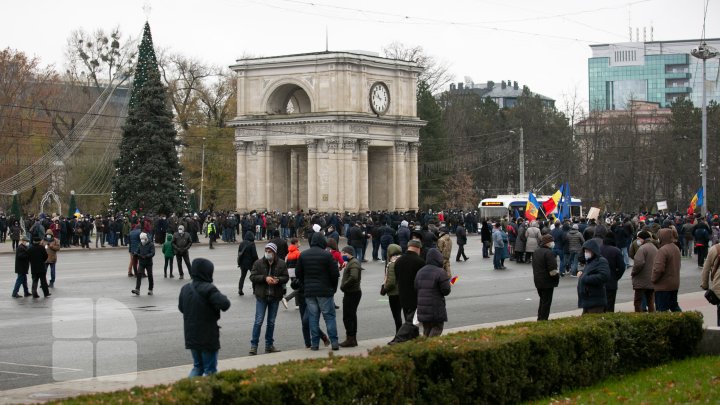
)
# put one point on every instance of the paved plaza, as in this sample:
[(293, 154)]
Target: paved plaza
[(481, 297)]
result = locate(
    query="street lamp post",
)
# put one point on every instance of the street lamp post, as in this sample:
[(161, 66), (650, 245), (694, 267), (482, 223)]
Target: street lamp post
[(704, 52), (202, 175), (522, 159)]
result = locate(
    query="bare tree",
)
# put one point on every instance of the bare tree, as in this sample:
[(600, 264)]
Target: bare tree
[(435, 73), (99, 56), (184, 77)]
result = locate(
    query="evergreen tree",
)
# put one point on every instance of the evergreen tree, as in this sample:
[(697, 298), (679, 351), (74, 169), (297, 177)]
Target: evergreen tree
[(433, 148), (15, 208), (148, 173)]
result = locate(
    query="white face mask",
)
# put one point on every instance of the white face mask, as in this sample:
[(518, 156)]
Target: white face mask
[(181, 232), (143, 241), (268, 256), (588, 255), (639, 242), (551, 245)]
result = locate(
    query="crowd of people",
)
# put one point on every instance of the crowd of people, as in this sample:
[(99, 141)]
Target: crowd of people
[(416, 249)]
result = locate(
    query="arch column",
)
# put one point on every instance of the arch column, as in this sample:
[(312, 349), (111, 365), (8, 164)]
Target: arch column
[(241, 201), (401, 182), (261, 181), (312, 179), (349, 182), (413, 177), (363, 176)]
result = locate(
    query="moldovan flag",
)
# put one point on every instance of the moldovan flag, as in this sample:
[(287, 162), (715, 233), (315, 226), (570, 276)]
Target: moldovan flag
[(77, 213), (531, 208), (696, 201), (550, 205)]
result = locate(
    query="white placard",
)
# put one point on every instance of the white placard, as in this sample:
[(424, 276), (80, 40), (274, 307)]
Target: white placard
[(594, 213), (662, 205)]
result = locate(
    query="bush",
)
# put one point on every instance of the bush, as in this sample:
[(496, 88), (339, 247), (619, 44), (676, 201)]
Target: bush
[(507, 364)]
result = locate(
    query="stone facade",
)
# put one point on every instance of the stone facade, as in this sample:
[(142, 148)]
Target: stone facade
[(308, 137)]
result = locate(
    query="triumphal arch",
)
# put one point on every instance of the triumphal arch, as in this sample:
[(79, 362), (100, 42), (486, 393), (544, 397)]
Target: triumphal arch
[(326, 131)]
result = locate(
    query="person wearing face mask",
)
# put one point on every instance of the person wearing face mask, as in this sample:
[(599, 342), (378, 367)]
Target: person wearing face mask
[(52, 246), (545, 275), (350, 286), (592, 297), (38, 256), (269, 274), (642, 271), (22, 265), (145, 254), (181, 245), (15, 232)]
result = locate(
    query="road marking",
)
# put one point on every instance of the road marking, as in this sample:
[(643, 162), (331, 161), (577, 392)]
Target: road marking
[(12, 372), (39, 366)]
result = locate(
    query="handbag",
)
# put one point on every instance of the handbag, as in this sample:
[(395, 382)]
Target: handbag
[(382, 289)]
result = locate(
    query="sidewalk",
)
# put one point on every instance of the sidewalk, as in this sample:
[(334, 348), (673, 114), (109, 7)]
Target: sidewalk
[(58, 390)]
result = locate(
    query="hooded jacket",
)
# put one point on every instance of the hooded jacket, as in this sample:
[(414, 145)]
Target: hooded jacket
[(643, 265), (200, 302), (393, 253), (591, 285), (352, 274), (22, 259), (247, 252), (432, 285), (167, 248), (532, 237), (612, 254), (666, 267), (707, 281), (543, 263), (406, 268), (404, 236), (317, 270), (53, 246)]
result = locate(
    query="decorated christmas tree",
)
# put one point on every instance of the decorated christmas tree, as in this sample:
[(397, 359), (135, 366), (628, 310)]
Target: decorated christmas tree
[(148, 174), (72, 206)]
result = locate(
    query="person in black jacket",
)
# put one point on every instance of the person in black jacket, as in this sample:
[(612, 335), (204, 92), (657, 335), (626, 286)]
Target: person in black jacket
[(461, 235), (200, 302), (37, 256), (247, 255), (356, 239), (545, 275), (318, 274), (22, 265), (616, 263), (432, 285), (269, 275), (145, 254), (592, 297), (406, 268)]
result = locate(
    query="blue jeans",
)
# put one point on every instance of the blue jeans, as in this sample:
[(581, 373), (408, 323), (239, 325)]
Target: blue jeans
[(559, 252), (52, 271), (666, 301), (497, 259), (263, 305), (305, 321), (326, 306), (204, 363), (21, 281), (358, 253), (626, 256), (574, 263)]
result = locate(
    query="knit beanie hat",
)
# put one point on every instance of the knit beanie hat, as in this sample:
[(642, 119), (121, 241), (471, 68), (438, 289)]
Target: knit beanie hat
[(271, 246)]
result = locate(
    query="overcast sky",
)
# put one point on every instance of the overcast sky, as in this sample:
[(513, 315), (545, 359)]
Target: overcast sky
[(541, 44)]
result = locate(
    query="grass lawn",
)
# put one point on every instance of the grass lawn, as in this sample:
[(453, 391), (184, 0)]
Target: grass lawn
[(695, 380)]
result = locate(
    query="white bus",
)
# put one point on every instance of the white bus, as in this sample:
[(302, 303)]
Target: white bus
[(513, 206)]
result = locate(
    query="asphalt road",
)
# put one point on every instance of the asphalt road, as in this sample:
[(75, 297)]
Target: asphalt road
[(27, 336)]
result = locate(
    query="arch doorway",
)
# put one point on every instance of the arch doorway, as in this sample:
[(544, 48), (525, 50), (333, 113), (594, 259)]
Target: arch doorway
[(289, 99)]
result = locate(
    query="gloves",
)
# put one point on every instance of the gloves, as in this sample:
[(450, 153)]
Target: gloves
[(554, 273)]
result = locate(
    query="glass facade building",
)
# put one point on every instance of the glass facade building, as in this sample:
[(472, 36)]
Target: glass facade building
[(657, 71)]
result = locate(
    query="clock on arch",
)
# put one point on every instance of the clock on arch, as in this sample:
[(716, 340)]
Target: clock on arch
[(379, 98)]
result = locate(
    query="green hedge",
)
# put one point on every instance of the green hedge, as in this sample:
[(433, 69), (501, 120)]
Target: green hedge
[(502, 365)]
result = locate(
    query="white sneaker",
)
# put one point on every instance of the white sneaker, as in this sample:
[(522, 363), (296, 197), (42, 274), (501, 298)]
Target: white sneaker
[(285, 303)]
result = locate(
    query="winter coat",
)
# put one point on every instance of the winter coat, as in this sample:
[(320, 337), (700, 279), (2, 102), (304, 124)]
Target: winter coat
[(247, 252), (558, 235), (282, 247), (181, 243), (292, 256), (52, 248), (404, 236), (432, 285), (355, 237), (38, 256), (497, 237), (705, 279), (406, 268), (351, 277), (520, 240), (200, 302), (444, 245), (575, 241), (167, 248), (146, 253), (262, 269), (486, 232), (22, 259), (616, 263), (642, 266), (532, 236), (591, 284), (393, 254), (666, 267), (461, 235), (543, 263), (134, 239), (15, 232), (317, 270)]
